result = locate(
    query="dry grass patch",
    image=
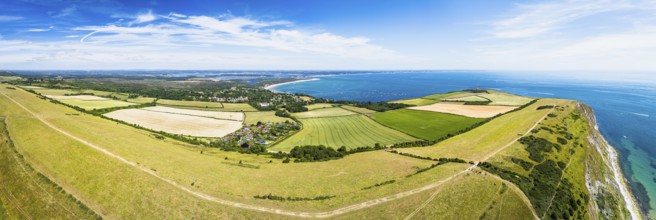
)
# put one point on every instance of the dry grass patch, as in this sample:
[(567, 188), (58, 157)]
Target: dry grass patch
[(474, 111), (176, 123), (237, 116)]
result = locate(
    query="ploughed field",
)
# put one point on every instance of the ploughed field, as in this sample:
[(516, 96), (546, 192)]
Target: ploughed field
[(351, 131)]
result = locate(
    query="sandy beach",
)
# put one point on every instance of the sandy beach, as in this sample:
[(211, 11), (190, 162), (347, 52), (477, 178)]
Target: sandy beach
[(271, 87)]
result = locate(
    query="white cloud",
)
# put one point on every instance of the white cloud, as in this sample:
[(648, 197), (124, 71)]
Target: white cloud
[(536, 19), (6, 18), (40, 29), (66, 12), (145, 17)]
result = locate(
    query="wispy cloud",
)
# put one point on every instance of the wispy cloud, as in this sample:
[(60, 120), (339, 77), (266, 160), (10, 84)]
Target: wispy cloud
[(41, 29), (6, 18), (183, 30), (536, 19), (145, 17), (68, 11)]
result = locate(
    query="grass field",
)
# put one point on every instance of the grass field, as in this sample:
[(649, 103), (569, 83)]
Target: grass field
[(176, 123), (197, 104), (471, 98), (479, 142), (27, 194), (416, 101), (424, 124), (324, 112), (237, 107), (318, 106), (444, 95), (237, 116), (9, 78), (358, 109), (502, 98), (349, 131), (474, 111), (268, 116), (141, 100), (96, 104)]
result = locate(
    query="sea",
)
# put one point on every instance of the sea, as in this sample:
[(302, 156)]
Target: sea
[(625, 107)]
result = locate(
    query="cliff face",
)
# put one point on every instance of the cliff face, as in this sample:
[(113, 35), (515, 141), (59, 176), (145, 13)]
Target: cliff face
[(605, 182)]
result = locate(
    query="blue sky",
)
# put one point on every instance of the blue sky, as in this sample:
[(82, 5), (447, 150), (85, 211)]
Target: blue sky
[(478, 34)]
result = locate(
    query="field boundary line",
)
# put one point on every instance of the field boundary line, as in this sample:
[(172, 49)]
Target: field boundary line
[(339, 211)]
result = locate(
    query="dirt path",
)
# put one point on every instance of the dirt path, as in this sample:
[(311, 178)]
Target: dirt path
[(204, 196)]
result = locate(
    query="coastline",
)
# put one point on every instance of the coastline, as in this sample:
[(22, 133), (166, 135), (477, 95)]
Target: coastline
[(271, 87), (612, 162)]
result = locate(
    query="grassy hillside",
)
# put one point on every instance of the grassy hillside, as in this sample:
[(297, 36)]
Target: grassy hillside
[(324, 112), (27, 194), (350, 131), (424, 124)]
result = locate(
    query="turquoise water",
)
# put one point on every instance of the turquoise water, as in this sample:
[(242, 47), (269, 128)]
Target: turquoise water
[(626, 112)]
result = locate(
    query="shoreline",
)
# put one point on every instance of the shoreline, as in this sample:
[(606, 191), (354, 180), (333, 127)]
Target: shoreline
[(271, 87)]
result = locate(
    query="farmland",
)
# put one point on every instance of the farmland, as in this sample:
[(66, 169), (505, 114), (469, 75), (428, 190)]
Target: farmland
[(318, 106), (501, 98), (176, 123), (237, 107), (141, 100), (358, 109), (324, 112), (268, 116), (350, 131), (89, 102), (424, 124), (237, 116), (196, 104), (474, 111)]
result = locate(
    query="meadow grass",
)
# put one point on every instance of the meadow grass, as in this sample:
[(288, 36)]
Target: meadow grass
[(424, 124), (481, 141), (468, 196), (443, 95), (141, 100), (267, 116), (27, 194), (350, 131), (237, 107), (471, 98), (324, 112), (358, 109), (197, 104), (416, 101), (502, 98), (318, 106)]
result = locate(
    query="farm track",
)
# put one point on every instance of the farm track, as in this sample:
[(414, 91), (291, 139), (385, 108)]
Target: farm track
[(206, 197)]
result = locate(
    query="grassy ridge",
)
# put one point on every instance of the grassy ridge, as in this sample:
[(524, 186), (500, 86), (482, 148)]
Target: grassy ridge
[(350, 131), (424, 124), (26, 193)]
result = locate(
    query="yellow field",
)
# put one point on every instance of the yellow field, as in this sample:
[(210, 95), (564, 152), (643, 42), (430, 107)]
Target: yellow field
[(176, 123), (318, 106), (237, 116), (237, 107), (358, 109), (269, 116), (324, 112), (474, 111)]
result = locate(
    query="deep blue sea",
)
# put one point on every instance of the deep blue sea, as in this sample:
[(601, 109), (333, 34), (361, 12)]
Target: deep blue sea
[(626, 111)]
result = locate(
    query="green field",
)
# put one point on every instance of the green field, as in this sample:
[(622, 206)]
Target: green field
[(358, 109), (197, 104), (471, 98), (424, 124), (237, 107), (416, 101), (324, 112), (318, 106), (268, 116), (95, 104), (350, 131), (501, 98), (9, 78), (141, 100)]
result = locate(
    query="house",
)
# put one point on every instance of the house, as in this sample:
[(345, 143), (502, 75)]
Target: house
[(265, 104)]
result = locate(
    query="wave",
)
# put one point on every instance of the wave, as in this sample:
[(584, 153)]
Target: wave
[(640, 114)]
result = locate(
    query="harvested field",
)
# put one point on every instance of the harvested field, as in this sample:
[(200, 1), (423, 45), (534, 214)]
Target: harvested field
[(474, 111), (176, 123), (89, 102), (350, 131), (236, 116), (324, 112)]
